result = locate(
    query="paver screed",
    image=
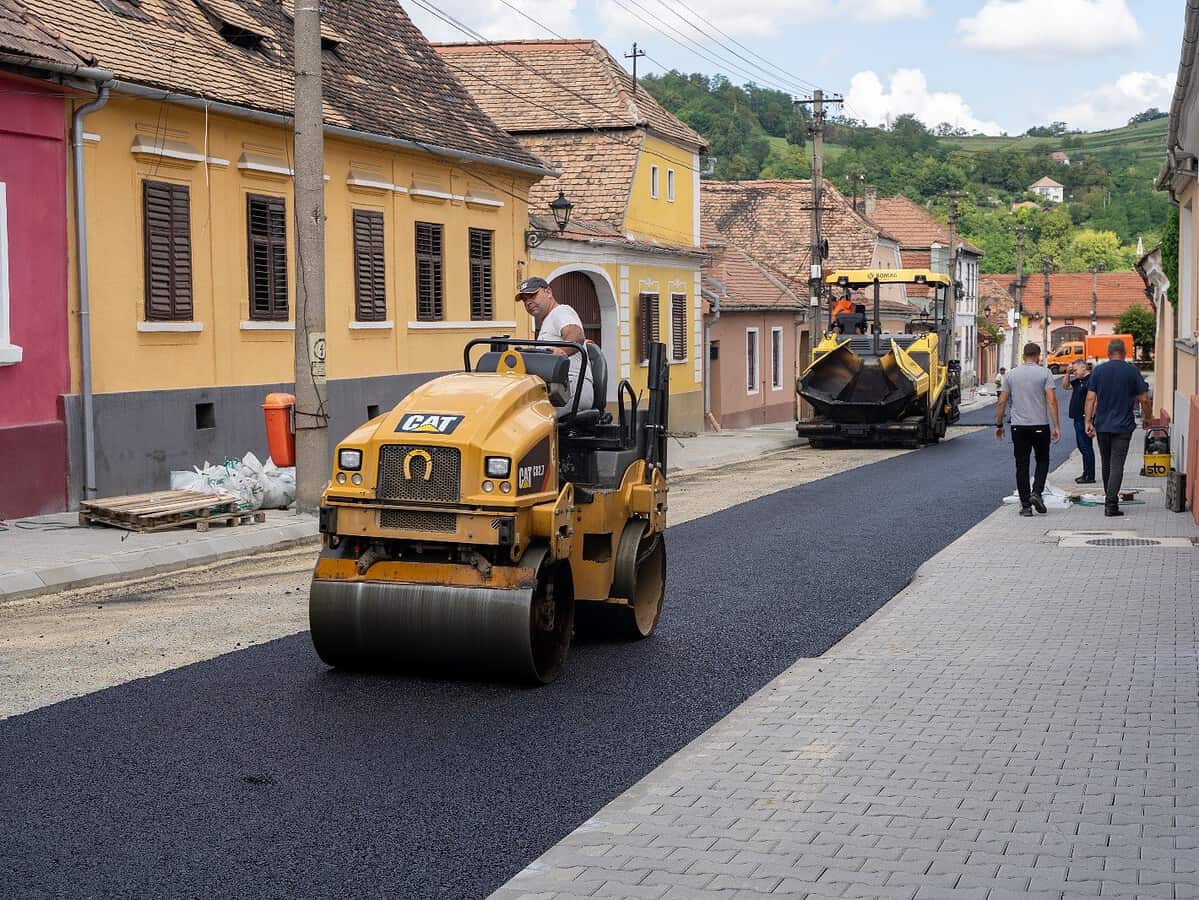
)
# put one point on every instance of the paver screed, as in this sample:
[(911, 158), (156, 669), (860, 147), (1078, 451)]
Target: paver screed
[(1022, 720)]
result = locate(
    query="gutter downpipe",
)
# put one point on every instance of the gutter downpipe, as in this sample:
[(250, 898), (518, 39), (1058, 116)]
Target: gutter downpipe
[(85, 324), (714, 300)]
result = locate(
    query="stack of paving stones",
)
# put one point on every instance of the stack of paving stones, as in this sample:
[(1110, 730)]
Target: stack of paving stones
[(1021, 721)]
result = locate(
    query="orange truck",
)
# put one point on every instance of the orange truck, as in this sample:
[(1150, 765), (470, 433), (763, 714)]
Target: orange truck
[(1093, 347)]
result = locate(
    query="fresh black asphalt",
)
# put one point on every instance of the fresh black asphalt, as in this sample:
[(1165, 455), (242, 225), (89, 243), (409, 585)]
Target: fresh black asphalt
[(263, 774)]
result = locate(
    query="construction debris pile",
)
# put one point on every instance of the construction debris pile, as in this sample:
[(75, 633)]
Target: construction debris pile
[(255, 485)]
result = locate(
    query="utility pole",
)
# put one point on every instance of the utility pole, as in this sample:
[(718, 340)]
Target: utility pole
[(1095, 270), (815, 272), (634, 56), (952, 263), (1018, 296), (1047, 268), (311, 414)]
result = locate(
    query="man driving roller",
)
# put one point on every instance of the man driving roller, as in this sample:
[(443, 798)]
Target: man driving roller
[(557, 322)]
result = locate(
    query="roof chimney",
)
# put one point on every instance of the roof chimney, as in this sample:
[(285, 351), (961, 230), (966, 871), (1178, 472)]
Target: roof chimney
[(871, 201)]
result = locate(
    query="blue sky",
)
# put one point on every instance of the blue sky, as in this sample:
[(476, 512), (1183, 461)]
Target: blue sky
[(989, 65)]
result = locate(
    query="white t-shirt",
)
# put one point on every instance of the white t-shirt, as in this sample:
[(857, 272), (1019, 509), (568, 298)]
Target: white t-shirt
[(551, 330)]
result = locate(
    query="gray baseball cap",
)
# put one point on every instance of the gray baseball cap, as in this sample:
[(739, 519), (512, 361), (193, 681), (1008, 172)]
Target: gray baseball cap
[(532, 285)]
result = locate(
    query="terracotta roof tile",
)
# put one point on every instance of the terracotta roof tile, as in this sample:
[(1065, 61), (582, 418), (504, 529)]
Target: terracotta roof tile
[(23, 34), (913, 225), (1070, 292), (597, 172), (741, 282), (530, 86), (383, 78), (772, 221)]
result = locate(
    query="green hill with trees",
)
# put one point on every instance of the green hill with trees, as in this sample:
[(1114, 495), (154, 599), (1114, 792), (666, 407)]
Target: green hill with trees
[(756, 132)]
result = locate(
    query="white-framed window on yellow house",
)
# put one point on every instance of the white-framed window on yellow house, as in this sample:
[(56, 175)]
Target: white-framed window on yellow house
[(751, 360), (678, 327), (776, 358), (653, 181), (648, 324), (370, 267), (670, 185)]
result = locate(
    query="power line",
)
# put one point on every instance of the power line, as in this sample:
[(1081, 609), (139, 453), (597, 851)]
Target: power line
[(695, 47), (793, 81)]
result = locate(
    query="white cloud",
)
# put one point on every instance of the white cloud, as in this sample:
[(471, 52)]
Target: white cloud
[(1112, 105), (1050, 28), (495, 21), (908, 92), (746, 18)]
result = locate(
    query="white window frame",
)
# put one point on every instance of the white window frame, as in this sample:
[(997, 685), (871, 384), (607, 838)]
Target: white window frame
[(10, 353), (653, 182), (753, 362), (776, 357), (670, 185)]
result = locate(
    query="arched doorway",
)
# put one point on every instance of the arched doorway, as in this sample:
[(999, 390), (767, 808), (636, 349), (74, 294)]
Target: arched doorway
[(578, 290), (1065, 334)]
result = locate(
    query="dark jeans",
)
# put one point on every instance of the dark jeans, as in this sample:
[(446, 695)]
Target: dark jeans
[(1028, 439), (1087, 447), (1113, 451)]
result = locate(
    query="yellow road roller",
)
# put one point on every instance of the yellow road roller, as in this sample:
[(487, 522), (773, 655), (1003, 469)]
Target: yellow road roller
[(460, 530), (867, 386)]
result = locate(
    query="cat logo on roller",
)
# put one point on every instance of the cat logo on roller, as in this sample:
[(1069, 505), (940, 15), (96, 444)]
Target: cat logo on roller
[(428, 423)]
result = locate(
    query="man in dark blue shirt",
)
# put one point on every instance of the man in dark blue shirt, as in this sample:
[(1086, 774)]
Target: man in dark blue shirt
[(1076, 381), (1113, 389)]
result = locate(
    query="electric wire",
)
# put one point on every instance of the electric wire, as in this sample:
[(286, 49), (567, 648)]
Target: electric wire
[(788, 84)]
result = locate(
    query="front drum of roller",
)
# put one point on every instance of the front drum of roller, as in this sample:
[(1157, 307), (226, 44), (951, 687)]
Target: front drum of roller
[(522, 634)]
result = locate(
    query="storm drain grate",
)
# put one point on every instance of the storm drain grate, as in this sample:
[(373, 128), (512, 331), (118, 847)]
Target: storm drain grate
[(1117, 538), (1123, 542)]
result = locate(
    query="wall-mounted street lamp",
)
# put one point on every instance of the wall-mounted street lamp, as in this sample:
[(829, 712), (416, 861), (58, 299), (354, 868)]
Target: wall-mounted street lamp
[(561, 208)]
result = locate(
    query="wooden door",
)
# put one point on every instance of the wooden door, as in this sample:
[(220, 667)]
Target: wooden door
[(576, 289)]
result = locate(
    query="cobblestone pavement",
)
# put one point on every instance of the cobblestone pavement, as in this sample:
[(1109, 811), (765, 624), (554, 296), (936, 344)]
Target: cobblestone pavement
[(1021, 721)]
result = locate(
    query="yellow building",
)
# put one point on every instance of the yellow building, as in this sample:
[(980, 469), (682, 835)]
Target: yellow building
[(190, 225), (630, 259)]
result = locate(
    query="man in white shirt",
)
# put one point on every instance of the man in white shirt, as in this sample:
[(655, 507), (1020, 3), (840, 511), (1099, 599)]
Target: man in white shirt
[(558, 322)]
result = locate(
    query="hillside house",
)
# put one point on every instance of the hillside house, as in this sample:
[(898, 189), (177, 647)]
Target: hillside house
[(1049, 189)]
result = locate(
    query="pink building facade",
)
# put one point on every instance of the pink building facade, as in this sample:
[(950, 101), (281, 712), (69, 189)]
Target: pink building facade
[(34, 354)]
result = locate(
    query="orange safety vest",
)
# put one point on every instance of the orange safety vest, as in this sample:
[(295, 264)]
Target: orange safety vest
[(843, 307)]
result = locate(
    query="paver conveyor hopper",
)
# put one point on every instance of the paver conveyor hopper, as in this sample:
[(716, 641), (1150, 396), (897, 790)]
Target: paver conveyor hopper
[(460, 528), (882, 387)]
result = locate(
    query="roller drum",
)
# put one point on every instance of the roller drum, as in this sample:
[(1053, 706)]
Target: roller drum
[(523, 634)]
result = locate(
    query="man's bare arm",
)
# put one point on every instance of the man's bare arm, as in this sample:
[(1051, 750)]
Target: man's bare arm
[(574, 334), (1051, 396), (1091, 404), (1146, 406), (1003, 395)]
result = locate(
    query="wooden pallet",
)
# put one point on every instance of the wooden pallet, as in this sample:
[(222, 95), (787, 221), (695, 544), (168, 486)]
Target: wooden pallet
[(161, 510)]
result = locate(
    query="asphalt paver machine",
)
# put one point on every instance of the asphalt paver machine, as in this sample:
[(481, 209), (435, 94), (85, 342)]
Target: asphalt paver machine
[(867, 386), (461, 528)]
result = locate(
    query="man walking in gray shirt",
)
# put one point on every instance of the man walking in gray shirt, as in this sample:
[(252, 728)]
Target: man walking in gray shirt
[(1030, 389)]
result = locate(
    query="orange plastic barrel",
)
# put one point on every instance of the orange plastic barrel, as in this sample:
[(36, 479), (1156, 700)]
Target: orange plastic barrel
[(279, 437)]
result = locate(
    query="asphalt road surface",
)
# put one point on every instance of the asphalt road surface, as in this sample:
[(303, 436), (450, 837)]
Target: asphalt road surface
[(262, 773)]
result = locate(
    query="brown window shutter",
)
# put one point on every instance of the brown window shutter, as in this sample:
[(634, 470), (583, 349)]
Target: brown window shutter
[(429, 306), (370, 291), (482, 301), (678, 325), (649, 323), (267, 238), (166, 225)]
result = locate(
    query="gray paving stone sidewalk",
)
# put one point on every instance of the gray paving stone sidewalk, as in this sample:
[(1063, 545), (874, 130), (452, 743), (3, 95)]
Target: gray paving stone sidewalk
[(1021, 721)]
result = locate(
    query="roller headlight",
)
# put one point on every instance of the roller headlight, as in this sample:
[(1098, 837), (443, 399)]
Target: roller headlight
[(350, 460), (498, 466)]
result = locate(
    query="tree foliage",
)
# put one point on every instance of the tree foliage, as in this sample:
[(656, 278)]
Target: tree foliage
[(1141, 324), (756, 132)]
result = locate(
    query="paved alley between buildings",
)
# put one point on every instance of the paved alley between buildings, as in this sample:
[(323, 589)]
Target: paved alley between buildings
[(1022, 720)]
